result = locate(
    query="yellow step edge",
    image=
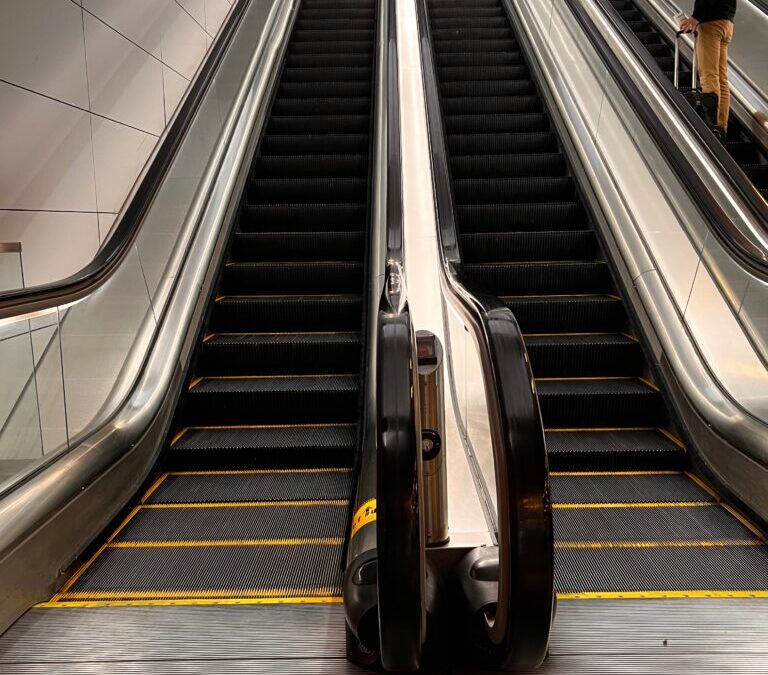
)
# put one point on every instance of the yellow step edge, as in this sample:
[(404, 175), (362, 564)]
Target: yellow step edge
[(562, 430), (591, 545), (210, 378), (658, 595), (289, 295), (561, 295), (616, 473), (630, 505), (268, 593), (271, 333), (586, 379), (228, 543), (298, 503), (258, 472), (192, 602)]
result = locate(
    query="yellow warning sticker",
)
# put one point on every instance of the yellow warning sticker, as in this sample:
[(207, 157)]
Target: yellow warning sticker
[(364, 515)]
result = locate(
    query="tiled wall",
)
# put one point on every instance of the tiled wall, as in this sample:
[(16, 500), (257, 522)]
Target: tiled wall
[(86, 89)]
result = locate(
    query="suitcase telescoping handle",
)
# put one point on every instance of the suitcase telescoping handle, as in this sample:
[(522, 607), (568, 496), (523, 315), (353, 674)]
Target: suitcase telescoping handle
[(694, 78)]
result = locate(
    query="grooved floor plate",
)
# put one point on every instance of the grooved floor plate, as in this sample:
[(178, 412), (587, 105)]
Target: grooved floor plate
[(256, 486), (257, 522), (211, 572), (632, 488)]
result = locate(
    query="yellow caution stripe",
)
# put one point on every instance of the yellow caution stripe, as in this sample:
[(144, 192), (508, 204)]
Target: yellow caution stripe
[(204, 594), (656, 595), (569, 545), (298, 503), (364, 515), (213, 543), (630, 505), (192, 602)]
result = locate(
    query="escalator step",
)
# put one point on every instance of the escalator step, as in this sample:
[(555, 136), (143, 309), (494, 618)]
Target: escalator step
[(480, 87), (311, 166), (318, 124), (491, 105), (497, 123), (280, 353), (318, 144), (501, 144), (675, 569), (335, 23), (545, 278), (508, 166), (461, 34), (341, 47), (273, 400), (323, 89), (613, 450), (513, 190), (522, 246), (465, 11), (627, 488), (611, 354), (567, 215), (277, 246), (289, 278), (437, 4), (266, 314), (338, 12), (330, 75), (479, 59), (307, 190), (590, 403), (568, 314), (286, 485), (212, 572), (470, 44), (258, 522), (277, 447), (307, 217), (331, 35), (469, 22), (327, 105), (470, 73), (656, 524)]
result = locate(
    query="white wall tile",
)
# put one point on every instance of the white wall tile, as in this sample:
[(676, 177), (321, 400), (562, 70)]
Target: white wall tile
[(183, 43), (46, 161), (174, 86), (106, 221), (141, 21), (215, 11), (119, 152), (73, 236), (196, 8), (41, 48), (126, 83)]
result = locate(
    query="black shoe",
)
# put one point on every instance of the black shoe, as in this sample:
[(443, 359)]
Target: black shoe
[(720, 133)]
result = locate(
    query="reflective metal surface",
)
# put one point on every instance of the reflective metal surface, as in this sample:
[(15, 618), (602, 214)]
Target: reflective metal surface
[(659, 239), (46, 522)]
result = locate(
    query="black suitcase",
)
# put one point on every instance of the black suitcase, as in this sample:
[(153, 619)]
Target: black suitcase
[(705, 105)]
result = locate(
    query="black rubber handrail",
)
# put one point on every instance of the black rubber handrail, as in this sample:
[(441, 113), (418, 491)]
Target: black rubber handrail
[(109, 257), (748, 253), (518, 630), (399, 535)]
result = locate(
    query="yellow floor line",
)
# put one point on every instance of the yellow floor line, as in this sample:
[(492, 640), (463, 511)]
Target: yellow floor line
[(630, 505), (615, 473), (656, 595), (258, 472), (309, 600), (589, 545), (153, 488), (228, 543), (244, 505)]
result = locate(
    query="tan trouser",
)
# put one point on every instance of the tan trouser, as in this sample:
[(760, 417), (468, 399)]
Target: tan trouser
[(712, 57)]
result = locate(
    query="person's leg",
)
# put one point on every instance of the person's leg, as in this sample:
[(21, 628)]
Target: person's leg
[(724, 105), (708, 57)]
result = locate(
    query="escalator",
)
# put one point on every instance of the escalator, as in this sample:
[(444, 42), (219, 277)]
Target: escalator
[(631, 518), (740, 144), (253, 500)]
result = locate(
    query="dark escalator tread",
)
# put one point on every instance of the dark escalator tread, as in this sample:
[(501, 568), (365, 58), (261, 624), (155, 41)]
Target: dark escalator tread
[(544, 216), (280, 354), (314, 144), (265, 278), (545, 278), (501, 58), (568, 313), (523, 246), (655, 524), (585, 355), (275, 485), (237, 522), (273, 447), (274, 400), (614, 570), (602, 402), (613, 450), (308, 217), (287, 313), (627, 488), (513, 190), (295, 246), (311, 166), (307, 570), (508, 166), (307, 190), (353, 46)]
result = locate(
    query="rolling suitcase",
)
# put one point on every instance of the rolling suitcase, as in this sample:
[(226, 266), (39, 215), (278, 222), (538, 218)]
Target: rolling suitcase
[(705, 105)]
